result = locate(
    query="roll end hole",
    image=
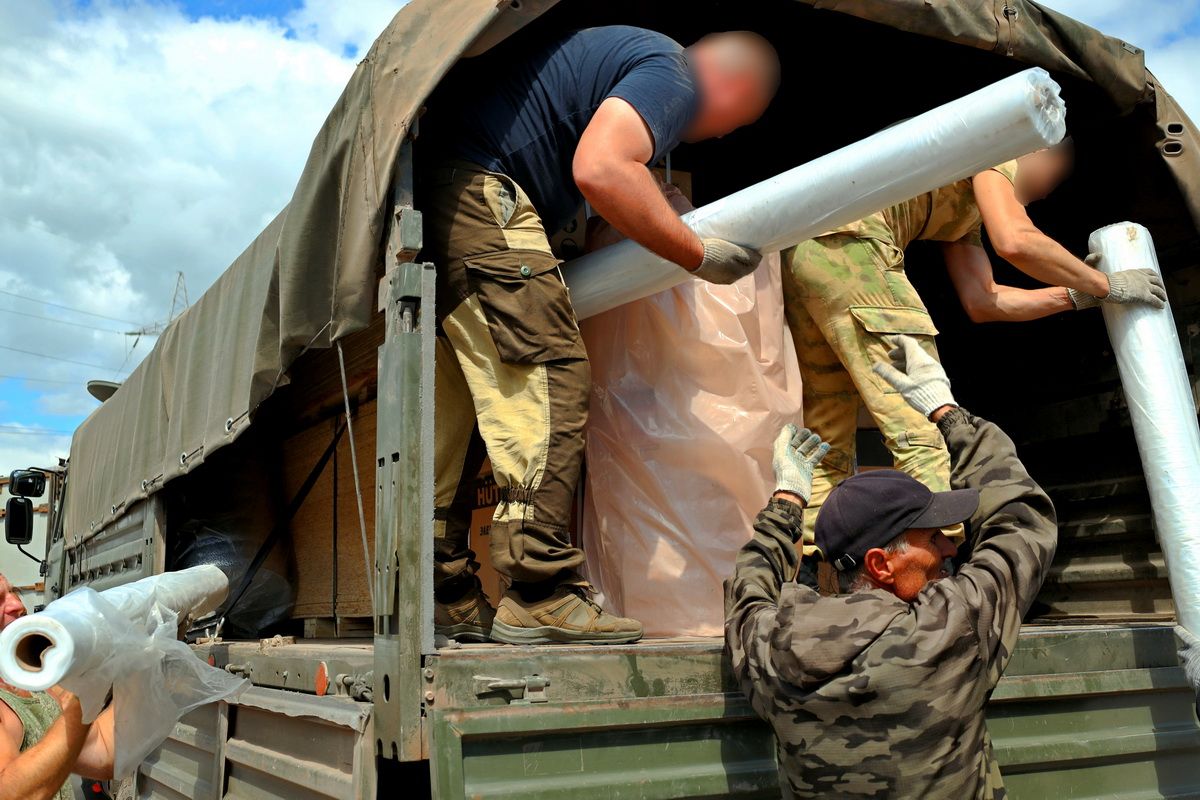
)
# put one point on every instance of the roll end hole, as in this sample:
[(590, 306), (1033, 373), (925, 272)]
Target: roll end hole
[(30, 649)]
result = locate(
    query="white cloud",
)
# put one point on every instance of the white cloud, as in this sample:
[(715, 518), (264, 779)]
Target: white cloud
[(1143, 23), (138, 143), (343, 27), (18, 451), (1160, 28)]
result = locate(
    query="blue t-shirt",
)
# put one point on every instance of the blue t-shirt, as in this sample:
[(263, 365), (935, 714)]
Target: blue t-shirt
[(527, 123)]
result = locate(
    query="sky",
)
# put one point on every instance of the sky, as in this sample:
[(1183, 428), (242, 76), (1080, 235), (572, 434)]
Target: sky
[(141, 139)]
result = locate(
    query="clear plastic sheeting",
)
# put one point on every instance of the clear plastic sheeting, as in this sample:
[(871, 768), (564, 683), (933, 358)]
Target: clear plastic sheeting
[(689, 388), (1159, 395), (125, 640), (1009, 118)]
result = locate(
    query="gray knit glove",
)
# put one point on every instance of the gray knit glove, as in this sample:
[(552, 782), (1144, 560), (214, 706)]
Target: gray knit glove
[(1136, 286), (797, 452), (1125, 287), (1189, 656), (1082, 300), (916, 375), (725, 262)]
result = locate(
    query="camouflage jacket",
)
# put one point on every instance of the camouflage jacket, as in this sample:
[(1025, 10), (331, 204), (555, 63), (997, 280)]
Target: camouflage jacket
[(948, 214), (870, 696)]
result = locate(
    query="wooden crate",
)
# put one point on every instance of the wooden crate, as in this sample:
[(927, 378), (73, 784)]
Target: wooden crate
[(312, 526)]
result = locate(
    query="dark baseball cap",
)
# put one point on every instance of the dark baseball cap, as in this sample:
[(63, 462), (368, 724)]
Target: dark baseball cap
[(872, 508)]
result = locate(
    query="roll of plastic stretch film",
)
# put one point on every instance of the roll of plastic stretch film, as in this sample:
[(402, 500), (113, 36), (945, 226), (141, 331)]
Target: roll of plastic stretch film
[(1009, 118), (1163, 410), (72, 635)]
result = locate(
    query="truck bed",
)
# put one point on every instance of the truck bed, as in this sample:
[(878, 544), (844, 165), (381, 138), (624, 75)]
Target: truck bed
[(1084, 710)]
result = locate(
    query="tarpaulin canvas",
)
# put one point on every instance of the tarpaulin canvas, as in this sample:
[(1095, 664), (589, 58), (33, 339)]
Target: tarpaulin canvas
[(310, 277)]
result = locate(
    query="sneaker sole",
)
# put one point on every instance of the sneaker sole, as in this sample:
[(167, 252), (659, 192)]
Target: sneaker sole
[(548, 634), (463, 632)]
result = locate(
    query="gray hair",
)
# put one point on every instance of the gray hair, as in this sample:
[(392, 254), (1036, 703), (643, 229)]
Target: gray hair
[(856, 580)]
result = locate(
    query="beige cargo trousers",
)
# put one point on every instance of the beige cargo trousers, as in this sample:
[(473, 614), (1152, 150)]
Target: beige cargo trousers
[(511, 374), (843, 296)]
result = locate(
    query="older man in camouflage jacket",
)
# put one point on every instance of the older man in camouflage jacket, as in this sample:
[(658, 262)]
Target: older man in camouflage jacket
[(879, 691)]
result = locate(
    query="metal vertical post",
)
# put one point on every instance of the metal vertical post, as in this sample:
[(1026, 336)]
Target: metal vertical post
[(404, 483)]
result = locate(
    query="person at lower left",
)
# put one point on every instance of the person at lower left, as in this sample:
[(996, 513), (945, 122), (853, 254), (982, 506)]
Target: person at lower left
[(43, 738)]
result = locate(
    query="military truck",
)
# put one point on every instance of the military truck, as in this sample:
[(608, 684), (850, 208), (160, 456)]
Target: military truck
[(238, 426)]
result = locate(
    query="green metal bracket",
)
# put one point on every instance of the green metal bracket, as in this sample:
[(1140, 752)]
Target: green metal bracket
[(520, 691), (403, 577)]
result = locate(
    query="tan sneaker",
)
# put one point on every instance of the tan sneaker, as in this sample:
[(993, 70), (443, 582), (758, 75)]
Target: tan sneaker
[(567, 615), (468, 619)]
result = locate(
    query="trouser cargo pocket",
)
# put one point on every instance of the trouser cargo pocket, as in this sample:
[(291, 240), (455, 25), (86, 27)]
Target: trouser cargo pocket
[(527, 307)]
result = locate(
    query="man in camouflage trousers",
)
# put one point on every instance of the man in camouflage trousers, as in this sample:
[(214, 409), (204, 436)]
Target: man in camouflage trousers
[(522, 144), (880, 691), (846, 292)]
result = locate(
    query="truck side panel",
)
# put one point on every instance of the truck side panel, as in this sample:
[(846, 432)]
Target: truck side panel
[(1082, 712), (267, 744)]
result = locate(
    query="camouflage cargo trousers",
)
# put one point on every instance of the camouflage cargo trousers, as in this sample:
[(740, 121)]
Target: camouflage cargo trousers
[(843, 295), (511, 378)]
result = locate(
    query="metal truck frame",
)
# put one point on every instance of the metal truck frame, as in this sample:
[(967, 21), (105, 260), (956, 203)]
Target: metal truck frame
[(1083, 710)]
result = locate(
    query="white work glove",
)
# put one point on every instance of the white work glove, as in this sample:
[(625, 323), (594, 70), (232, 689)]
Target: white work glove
[(1189, 656), (725, 262), (916, 375), (1125, 287), (797, 452)]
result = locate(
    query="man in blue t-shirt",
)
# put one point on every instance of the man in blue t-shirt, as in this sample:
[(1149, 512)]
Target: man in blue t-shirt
[(517, 154)]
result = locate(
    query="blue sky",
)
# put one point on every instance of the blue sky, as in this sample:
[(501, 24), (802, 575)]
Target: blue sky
[(147, 137)]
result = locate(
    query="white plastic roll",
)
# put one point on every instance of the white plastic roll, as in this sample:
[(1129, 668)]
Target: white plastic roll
[(72, 635), (1009, 118), (1163, 410)]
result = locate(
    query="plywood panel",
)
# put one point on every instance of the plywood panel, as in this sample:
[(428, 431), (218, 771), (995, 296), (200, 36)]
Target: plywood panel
[(312, 529)]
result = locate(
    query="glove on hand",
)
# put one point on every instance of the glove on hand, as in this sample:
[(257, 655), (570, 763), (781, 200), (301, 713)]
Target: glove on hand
[(1082, 300), (1189, 656), (1136, 286), (1125, 287), (797, 452), (725, 262), (916, 375)]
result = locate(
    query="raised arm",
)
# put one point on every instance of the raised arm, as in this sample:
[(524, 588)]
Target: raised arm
[(1014, 530), (98, 754), (984, 300), (610, 170), (39, 772), (1022, 243), (769, 559)]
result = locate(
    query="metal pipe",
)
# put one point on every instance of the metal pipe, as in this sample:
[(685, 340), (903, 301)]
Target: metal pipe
[(1158, 393), (1009, 118)]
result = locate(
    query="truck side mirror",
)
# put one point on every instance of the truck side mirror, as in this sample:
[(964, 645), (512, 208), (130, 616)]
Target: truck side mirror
[(18, 520), (27, 483)]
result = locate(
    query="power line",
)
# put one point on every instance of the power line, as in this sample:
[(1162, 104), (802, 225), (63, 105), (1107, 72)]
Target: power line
[(54, 358), (68, 308), (35, 380), (19, 430), (59, 321)]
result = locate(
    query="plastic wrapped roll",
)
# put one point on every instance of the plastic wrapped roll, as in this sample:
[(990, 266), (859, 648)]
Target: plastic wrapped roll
[(1159, 395), (125, 640), (72, 636), (1009, 118)]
